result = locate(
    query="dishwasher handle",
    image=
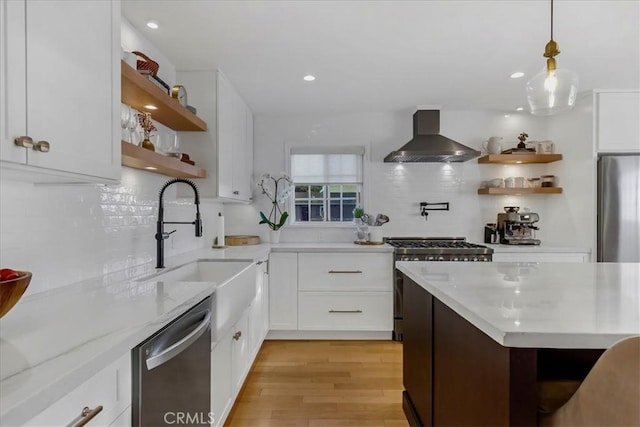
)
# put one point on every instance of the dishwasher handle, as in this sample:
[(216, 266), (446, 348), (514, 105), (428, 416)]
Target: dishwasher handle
[(177, 348)]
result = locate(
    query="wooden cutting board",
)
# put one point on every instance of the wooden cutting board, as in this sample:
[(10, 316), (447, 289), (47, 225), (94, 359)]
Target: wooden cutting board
[(241, 240)]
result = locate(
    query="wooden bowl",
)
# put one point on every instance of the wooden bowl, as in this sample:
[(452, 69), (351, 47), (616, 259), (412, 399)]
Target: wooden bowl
[(12, 290)]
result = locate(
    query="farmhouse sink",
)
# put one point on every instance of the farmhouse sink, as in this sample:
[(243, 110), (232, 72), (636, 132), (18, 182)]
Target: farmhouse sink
[(235, 287)]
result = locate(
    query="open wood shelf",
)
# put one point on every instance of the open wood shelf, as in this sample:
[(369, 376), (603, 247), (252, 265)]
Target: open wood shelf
[(519, 158), (137, 157), (137, 91), (517, 191)]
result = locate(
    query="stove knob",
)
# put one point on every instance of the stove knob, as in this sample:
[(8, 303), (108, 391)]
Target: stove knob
[(415, 258), (440, 258), (455, 258), (485, 259), (465, 259), (430, 258)]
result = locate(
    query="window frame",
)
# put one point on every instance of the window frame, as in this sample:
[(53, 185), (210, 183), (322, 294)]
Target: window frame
[(292, 221)]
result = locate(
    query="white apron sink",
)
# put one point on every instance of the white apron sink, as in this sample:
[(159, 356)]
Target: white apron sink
[(235, 287)]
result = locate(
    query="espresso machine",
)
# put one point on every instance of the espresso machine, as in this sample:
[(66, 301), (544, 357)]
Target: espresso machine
[(516, 228)]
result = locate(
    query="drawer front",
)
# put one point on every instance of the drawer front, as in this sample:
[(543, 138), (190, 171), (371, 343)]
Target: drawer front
[(346, 311), (109, 388), (345, 271)]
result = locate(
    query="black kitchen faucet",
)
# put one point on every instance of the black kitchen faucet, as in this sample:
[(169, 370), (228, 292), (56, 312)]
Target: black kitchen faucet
[(160, 234)]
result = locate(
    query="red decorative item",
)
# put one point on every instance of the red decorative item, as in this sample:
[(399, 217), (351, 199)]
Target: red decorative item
[(144, 63)]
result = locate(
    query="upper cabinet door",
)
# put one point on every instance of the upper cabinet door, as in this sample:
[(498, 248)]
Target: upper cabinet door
[(617, 124), (61, 85), (13, 115), (225, 137)]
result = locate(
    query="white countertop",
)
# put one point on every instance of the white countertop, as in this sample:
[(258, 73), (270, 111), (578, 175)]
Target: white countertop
[(329, 247), (538, 305), (53, 341), (536, 249)]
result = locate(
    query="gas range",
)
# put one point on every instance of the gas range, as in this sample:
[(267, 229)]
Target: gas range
[(438, 249)]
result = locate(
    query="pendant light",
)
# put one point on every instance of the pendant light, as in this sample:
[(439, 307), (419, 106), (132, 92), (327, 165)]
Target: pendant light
[(552, 90)]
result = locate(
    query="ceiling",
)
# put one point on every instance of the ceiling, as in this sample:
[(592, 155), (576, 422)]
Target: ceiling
[(393, 55)]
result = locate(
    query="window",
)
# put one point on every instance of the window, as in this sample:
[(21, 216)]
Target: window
[(328, 183)]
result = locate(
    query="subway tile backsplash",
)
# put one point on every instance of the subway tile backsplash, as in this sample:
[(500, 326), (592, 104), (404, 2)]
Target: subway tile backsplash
[(65, 234)]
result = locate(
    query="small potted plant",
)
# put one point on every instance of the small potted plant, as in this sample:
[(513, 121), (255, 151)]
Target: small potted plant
[(277, 189)]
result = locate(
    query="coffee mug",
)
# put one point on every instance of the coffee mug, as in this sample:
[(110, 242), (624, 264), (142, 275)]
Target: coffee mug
[(375, 233), (493, 145), (544, 147)]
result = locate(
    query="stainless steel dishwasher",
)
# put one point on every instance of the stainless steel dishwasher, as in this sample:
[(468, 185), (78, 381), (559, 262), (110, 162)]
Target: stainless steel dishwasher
[(172, 372)]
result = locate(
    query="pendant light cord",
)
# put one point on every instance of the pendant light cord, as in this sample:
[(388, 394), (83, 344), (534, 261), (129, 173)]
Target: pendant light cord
[(551, 19)]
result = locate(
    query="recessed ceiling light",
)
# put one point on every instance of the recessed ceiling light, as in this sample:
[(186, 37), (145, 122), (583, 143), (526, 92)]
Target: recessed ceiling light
[(150, 107), (151, 168), (506, 116), (517, 75), (154, 25), (309, 78), (519, 109)]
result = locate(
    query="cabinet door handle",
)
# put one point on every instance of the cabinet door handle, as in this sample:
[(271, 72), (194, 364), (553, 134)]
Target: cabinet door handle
[(345, 271), (24, 141), (345, 311), (42, 146), (237, 335), (236, 192), (86, 415)]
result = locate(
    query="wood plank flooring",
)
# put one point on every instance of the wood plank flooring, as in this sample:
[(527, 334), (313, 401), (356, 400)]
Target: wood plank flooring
[(323, 384)]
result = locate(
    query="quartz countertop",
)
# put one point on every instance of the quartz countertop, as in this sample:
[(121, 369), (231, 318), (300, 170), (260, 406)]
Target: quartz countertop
[(329, 247), (536, 249), (538, 305), (53, 341)]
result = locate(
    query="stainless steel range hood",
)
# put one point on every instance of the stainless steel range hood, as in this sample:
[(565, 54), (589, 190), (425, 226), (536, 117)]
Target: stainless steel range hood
[(428, 145)]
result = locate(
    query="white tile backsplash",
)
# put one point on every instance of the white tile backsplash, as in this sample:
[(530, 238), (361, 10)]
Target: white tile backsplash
[(65, 234)]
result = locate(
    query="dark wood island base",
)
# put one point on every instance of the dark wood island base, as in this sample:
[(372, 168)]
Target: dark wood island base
[(456, 375)]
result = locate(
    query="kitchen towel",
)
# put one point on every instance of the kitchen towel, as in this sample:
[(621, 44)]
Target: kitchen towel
[(218, 231)]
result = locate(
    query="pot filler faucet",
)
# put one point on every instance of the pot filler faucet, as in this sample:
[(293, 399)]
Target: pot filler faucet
[(161, 236)]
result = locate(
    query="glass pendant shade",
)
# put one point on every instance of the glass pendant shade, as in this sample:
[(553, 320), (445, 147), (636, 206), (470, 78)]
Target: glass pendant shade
[(550, 92)]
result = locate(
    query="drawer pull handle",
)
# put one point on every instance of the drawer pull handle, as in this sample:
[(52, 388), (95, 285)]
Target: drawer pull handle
[(345, 311), (345, 271), (237, 335), (86, 415)]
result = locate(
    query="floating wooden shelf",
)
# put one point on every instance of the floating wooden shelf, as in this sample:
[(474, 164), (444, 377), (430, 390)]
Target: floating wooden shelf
[(137, 91), (520, 158), (137, 157), (517, 191)]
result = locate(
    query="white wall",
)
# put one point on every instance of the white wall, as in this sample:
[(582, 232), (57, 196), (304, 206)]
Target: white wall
[(67, 234), (396, 190)]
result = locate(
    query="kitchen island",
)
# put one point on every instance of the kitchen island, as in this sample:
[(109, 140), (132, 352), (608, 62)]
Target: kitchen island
[(478, 337)]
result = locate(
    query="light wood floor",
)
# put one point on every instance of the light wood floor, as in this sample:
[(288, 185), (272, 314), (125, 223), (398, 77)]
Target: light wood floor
[(323, 383)]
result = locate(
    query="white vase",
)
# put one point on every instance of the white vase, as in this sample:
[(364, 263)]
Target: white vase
[(274, 236)]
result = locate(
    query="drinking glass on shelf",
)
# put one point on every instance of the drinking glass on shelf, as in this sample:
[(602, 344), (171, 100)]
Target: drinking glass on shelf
[(125, 115), (132, 125)]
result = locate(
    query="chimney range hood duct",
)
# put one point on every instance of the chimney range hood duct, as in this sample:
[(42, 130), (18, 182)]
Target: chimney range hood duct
[(428, 145)]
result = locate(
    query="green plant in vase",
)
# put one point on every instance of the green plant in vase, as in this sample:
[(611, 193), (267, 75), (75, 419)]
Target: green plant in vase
[(277, 190)]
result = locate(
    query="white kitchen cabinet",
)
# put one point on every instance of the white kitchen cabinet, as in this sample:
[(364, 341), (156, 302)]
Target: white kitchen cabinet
[(233, 354), (221, 392), (283, 291), (226, 148), (259, 310), (331, 292), (616, 121), (234, 145), (541, 257), (109, 388), (346, 311), (345, 272), (240, 357), (60, 83)]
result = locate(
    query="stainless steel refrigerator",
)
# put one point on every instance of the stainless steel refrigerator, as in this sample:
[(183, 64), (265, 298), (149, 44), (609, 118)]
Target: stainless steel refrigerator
[(619, 208)]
